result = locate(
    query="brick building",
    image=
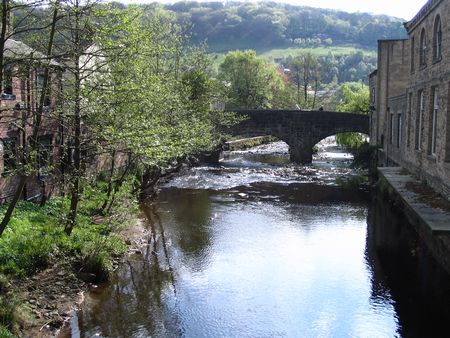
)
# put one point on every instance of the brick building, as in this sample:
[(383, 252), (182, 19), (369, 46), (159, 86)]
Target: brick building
[(23, 78), (410, 113)]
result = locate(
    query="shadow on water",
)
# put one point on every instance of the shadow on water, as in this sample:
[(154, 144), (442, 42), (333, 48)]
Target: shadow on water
[(402, 267), (267, 257), (192, 216), (132, 303)]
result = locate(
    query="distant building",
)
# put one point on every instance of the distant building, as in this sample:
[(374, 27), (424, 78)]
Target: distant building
[(410, 112), (23, 78)]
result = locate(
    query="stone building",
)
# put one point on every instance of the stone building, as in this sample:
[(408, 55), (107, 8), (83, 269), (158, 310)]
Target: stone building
[(410, 113), (23, 78)]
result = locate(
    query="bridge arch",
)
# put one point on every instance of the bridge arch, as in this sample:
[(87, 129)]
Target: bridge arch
[(301, 130)]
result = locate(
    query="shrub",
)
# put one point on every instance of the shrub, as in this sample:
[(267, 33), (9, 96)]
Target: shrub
[(5, 333), (8, 305), (363, 155), (29, 241)]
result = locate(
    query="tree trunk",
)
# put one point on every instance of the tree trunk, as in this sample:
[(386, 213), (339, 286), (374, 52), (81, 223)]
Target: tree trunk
[(315, 93), (37, 122), (76, 176), (75, 195), (110, 182), (12, 204), (117, 186), (4, 29)]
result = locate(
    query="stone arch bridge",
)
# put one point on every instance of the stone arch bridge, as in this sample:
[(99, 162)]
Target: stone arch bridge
[(301, 130)]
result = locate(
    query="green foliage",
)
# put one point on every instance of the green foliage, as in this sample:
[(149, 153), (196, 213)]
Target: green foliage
[(29, 242), (8, 306), (364, 155), (355, 99), (5, 333), (305, 74), (269, 24), (253, 83), (35, 236), (156, 96)]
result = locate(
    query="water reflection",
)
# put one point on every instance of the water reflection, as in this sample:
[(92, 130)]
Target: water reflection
[(238, 257), (403, 268)]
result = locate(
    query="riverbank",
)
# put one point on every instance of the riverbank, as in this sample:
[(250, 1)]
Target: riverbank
[(426, 210), (44, 272)]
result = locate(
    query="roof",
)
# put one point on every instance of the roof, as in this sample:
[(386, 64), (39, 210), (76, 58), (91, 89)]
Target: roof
[(18, 50), (410, 25)]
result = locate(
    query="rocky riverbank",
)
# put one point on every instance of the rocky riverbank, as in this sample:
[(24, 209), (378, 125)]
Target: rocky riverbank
[(49, 298)]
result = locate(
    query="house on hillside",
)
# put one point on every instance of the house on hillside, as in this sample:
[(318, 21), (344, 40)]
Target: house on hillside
[(23, 78), (410, 112)]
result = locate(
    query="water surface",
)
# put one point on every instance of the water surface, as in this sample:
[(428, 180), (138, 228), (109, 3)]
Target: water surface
[(253, 247)]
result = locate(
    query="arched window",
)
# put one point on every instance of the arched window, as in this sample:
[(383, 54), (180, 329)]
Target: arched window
[(437, 39), (422, 48)]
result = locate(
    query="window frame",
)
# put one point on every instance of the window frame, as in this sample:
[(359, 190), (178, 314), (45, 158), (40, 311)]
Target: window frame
[(433, 120), (9, 155), (437, 39), (423, 49), (419, 119)]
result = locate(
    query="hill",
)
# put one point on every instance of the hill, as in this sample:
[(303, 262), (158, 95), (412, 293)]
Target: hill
[(266, 25)]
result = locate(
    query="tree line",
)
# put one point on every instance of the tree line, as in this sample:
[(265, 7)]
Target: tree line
[(302, 82), (270, 24)]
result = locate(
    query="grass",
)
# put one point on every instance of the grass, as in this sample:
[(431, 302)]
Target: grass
[(5, 333), (317, 51), (35, 239), (35, 236)]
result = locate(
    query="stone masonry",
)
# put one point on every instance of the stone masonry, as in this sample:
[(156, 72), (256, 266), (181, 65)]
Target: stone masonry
[(410, 117), (301, 130)]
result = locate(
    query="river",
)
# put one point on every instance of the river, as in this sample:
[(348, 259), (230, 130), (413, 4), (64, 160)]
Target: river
[(255, 247)]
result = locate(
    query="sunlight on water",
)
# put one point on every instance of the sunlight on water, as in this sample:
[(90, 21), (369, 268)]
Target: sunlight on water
[(267, 163), (250, 249)]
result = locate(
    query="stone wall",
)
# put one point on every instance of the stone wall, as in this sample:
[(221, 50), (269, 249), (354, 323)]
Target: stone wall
[(410, 73), (301, 130)]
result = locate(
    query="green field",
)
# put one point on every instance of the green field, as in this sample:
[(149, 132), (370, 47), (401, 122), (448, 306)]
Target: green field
[(317, 51), (272, 54)]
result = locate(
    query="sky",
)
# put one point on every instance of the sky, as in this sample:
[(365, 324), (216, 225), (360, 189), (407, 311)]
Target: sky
[(405, 9)]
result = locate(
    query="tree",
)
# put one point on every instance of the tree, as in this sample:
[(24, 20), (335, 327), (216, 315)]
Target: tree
[(305, 75), (152, 99), (252, 82), (355, 99)]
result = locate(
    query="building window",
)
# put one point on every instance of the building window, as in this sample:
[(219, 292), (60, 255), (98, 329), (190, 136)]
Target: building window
[(412, 55), (433, 121), (422, 48), (391, 128), (44, 154), (409, 112), (9, 153), (40, 85), (437, 39), (399, 130), (447, 143), (419, 119), (7, 80)]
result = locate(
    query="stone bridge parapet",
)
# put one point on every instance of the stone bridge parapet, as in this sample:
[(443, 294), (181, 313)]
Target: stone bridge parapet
[(301, 130)]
